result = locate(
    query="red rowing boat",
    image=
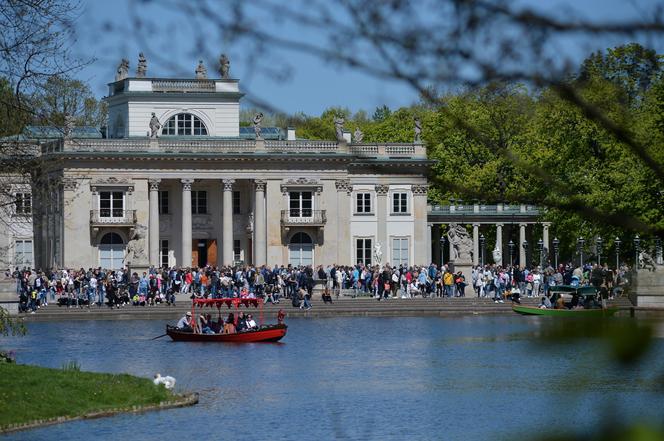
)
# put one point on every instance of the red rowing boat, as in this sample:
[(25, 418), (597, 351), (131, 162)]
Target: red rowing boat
[(264, 333)]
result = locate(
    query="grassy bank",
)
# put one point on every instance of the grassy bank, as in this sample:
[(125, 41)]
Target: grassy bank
[(29, 393)]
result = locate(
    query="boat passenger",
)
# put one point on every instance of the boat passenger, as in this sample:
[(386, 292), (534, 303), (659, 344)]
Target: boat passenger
[(241, 324), (204, 325), (251, 323), (545, 303), (229, 326), (185, 322), (560, 302)]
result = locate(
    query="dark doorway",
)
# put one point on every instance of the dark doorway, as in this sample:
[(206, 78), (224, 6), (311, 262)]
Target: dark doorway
[(202, 253)]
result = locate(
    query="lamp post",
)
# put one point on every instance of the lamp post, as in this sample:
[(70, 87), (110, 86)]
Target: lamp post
[(599, 243), (525, 249), (658, 250), (579, 243), (443, 239), (617, 242), (556, 243), (637, 249), (540, 248), (511, 247), (482, 241)]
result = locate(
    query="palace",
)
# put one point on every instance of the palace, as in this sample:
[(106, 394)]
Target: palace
[(175, 180)]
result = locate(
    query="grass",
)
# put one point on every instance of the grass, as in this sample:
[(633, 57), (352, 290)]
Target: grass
[(29, 393)]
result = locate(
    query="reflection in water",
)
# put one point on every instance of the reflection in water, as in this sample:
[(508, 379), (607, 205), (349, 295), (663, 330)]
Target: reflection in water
[(470, 378)]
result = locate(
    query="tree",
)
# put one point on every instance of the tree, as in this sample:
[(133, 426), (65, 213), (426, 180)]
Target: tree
[(61, 97)]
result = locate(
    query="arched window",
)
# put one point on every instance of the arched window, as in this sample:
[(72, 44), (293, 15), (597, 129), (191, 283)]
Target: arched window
[(301, 250), (111, 251), (184, 124)]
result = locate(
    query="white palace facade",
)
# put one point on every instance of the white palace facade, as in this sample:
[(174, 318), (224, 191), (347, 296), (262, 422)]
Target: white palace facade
[(204, 191)]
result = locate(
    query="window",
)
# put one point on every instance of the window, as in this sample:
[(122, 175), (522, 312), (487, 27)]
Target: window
[(236, 202), (399, 203), (237, 250), (301, 250), (363, 203), (184, 124), (399, 251), (23, 203), (199, 202), (163, 253), (111, 251), (23, 253), (300, 204), (111, 204), (163, 202), (363, 251)]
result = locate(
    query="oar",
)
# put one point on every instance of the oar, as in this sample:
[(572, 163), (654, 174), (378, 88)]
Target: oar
[(160, 336)]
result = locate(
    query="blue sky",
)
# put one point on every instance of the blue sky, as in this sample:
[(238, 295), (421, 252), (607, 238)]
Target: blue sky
[(105, 31)]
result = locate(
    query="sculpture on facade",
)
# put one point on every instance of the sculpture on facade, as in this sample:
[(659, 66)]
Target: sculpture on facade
[(378, 253), (69, 126), (123, 70), (224, 66), (250, 223), (142, 68), (418, 129), (497, 255), (646, 261), (135, 253), (339, 127), (462, 244), (155, 125), (358, 135), (201, 71), (258, 119)]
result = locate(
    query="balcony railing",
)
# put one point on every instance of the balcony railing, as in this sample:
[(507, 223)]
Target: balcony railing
[(112, 217), (304, 217)]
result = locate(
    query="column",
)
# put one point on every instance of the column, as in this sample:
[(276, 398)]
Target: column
[(422, 245), (381, 219), (227, 222), (186, 222), (476, 244), (499, 242), (344, 190), (545, 238), (260, 227), (153, 233), (430, 242), (522, 238)]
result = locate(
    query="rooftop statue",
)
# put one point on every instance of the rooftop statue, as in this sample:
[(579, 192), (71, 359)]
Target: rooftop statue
[(358, 135), (224, 66), (69, 126), (155, 125), (201, 71), (142, 68), (123, 70), (418, 129), (339, 127), (258, 119)]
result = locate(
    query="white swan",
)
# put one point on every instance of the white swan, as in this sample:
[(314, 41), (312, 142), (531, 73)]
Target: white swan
[(167, 381)]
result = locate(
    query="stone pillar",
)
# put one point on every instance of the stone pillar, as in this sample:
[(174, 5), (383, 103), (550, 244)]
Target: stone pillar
[(522, 238), (227, 222), (344, 190), (186, 222), (476, 244), (499, 242), (430, 242), (422, 245), (260, 227), (153, 232), (381, 219), (545, 239)]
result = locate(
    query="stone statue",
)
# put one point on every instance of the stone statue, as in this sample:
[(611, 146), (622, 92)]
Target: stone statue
[(123, 70), (136, 247), (155, 125), (201, 71), (418, 129), (224, 66), (462, 244), (646, 261), (69, 126), (358, 135), (378, 253), (258, 119), (339, 127), (250, 222), (142, 68), (497, 255)]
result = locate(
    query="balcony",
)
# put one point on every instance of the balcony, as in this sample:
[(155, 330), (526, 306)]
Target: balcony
[(303, 218), (112, 218)]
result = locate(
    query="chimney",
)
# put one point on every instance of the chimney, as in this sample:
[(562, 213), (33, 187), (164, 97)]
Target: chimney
[(290, 134), (347, 137)]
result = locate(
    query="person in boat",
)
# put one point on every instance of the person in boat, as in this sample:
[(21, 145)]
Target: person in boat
[(185, 323), (251, 323), (241, 324), (229, 326), (204, 325), (560, 302), (545, 303)]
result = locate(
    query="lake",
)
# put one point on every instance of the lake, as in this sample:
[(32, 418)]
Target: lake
[(415, 378)]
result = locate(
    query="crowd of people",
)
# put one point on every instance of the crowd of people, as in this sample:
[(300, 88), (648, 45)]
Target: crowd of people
[(119, 288)]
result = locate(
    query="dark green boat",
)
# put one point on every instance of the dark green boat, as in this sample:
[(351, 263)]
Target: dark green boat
[(585, 295)]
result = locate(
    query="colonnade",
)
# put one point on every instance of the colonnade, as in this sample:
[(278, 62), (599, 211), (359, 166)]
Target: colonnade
[(260, 222)]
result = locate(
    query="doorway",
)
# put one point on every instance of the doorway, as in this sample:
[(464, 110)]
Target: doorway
[(204, 252)]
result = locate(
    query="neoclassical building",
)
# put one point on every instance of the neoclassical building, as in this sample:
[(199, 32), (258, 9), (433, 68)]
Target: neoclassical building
[(198, 189)]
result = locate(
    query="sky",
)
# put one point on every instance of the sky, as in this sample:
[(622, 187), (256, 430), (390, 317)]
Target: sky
[(106, 32)]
